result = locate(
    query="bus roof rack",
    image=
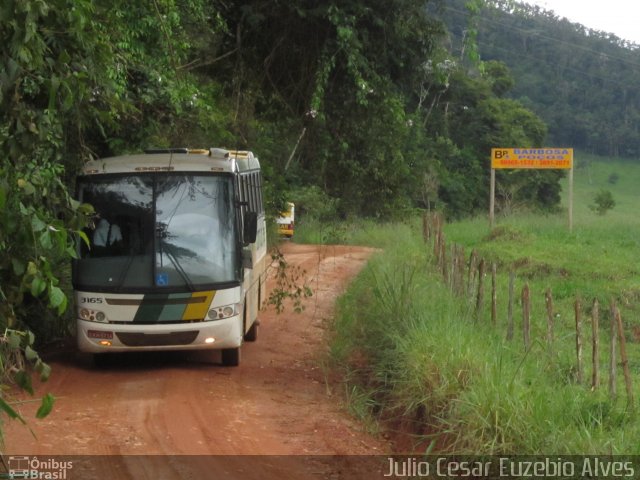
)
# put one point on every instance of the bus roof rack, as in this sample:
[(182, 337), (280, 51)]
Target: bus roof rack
[(193, 151), (220, 153), (167, 150), (240, 153)]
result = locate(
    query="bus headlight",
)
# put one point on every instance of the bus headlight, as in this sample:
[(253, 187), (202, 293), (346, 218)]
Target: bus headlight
[(92, 315), (226, 311)]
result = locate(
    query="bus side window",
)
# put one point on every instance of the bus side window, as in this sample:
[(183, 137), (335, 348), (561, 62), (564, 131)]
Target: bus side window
[(245, 189), (254, 200), (260, 201)]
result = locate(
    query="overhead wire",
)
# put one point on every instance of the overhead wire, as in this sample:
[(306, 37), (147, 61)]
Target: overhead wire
[(604, 80), (553, 39)]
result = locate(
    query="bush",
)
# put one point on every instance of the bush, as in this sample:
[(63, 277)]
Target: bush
[(40, 226), (603, 202), (313, 203)]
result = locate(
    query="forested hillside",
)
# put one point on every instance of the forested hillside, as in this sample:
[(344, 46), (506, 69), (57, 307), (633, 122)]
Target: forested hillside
[(362, 108), (582, 82)]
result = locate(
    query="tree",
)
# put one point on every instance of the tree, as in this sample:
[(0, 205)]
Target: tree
[(333, 76), (603, 202), (475, 120), (580, 81), (48, 72), (73, 76)]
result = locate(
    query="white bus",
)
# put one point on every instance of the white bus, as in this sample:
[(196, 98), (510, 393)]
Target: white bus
[(178, 253)]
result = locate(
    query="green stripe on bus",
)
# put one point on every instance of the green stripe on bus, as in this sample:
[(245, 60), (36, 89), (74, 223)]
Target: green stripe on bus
[(174, 309), (151, 308)]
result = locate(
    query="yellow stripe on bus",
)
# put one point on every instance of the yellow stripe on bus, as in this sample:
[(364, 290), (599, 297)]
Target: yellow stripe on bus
[(198, 311)]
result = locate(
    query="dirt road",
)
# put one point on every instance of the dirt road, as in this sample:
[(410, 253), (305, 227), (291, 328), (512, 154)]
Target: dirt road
[(165, 415)]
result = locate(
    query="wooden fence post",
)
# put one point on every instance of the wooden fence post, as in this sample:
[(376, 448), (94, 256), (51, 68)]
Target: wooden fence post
[(526, 316), (455, 269), (595, 337), (452, 267), (625, 359), (426, 226), (578, 314), (471, 276), (494, 295), (612, 353), (437, 237), (444, 267), (461, 267), (548, 300), (480, 297), (510, 326)]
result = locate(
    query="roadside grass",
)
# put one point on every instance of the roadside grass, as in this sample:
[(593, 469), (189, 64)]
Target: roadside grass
[(422, 365), (362, 232), (457, 385)]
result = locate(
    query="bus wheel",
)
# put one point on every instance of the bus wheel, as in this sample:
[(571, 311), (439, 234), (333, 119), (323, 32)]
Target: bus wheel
[(252, 333), (231, 357)]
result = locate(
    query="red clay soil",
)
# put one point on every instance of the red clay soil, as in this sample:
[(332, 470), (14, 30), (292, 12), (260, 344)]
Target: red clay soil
[(181, 415)]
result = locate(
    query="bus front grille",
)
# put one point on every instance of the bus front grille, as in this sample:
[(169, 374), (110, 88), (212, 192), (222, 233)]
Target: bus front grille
[(135, 339)]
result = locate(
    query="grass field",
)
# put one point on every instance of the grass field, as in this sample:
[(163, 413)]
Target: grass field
[(415, 359), (598, 259)]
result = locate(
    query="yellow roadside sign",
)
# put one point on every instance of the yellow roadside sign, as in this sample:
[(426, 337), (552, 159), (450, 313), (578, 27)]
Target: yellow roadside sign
[(532, 158)]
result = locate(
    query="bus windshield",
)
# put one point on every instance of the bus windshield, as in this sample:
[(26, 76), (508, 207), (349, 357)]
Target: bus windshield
[(158, 232)]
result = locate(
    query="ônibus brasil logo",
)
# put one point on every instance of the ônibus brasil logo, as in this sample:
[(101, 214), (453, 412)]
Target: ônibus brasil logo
[(24, 467)]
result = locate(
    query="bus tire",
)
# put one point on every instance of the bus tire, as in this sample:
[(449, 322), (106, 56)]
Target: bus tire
[(231, 357), (252, 333)]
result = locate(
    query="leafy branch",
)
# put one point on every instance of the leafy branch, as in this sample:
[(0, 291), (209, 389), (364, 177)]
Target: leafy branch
[(290, 284)]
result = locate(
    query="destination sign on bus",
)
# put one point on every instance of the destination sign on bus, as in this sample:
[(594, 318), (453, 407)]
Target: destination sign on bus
[(532, 158)]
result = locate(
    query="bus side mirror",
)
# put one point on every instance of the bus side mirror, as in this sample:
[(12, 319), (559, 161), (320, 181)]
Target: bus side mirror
[(250, 227)]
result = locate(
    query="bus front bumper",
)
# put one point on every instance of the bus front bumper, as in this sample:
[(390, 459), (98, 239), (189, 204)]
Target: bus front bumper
[(94, 337)]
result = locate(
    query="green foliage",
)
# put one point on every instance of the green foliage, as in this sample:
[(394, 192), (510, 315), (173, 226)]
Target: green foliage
[(603, 202), (39, 227), (380, 107), (287, 286), (312, 203), (18, 360), (369, 169), (413, 351), (362, 232), (355, 109), (156, 47), (473, 119), (75, 78), (500, 77), (474, 7), (48, 75), (579, 80)]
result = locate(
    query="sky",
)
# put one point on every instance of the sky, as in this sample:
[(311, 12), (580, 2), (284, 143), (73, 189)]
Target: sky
[(621, 17)]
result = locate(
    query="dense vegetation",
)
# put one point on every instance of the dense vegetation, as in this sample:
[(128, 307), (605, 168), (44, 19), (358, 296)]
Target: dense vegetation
[(364, 108), (420, 364), (360, 105), (581, 81)]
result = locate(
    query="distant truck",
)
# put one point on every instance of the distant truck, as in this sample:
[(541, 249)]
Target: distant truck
[(286, 221)]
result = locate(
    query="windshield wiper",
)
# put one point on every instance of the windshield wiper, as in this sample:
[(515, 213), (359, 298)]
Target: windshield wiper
[(123, 275), (177, 265)]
